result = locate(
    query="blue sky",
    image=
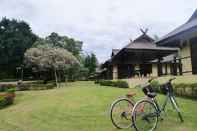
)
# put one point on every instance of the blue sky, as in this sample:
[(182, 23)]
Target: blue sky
[(100, 24)]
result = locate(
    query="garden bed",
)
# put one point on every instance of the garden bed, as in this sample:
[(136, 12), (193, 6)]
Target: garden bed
[(7, 98)]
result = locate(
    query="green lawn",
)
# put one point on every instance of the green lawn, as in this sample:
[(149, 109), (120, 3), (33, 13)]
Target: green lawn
[(80, 106)]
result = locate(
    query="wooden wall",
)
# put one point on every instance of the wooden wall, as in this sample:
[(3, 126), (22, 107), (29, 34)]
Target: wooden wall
[(154, 70), (185, 53)]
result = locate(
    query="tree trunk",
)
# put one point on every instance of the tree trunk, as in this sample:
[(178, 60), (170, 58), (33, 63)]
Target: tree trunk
[(59, 75), (56, 81), (65, 77)]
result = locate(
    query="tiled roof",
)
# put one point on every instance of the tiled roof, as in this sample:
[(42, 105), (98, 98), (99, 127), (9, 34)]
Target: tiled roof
[(192, 22), (148, 46)]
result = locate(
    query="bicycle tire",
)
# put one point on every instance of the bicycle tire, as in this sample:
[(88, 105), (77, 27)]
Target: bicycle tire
[(112, 112), (136, 113)]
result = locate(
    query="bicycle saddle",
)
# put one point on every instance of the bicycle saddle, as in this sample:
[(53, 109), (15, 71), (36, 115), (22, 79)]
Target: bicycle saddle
[(130, 94)]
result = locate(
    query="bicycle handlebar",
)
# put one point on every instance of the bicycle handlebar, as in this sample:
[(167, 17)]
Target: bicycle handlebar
[(151, 79)]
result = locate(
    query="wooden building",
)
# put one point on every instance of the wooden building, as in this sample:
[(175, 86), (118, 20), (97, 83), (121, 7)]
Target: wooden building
[(136, 59), (185, 38)]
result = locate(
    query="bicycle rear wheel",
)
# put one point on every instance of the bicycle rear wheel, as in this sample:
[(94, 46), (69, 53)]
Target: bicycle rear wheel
[(120, 113), (145, 116)]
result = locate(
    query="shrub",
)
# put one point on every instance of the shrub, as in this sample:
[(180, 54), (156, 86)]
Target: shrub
[(180, 89), (11, 90), (35, 86), (23, 87), (6, 99), (106, 83), (2, 102), (9, 99), (96, 81), (4, 87), (119, 83), (122, 84), (187, 90)]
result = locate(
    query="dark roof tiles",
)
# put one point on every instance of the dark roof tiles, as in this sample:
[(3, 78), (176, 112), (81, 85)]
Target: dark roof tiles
[(192, 22), (149, 46)]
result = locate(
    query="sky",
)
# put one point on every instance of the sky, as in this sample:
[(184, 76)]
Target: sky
[(102, 25)]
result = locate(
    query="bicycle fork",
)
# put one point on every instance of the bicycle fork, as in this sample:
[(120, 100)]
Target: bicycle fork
[(176, 107)]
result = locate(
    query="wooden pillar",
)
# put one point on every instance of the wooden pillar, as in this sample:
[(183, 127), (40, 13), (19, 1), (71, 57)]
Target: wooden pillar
[(137, 70), (154, 70), (175, 67), (108, 72), (115, 72), (159, 67), (128, 71), (180, 67), (166, 69)]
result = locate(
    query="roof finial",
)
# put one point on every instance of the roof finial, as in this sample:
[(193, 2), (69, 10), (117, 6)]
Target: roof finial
[(144, 31)]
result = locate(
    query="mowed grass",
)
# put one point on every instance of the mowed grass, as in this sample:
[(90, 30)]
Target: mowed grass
[(81, 106)]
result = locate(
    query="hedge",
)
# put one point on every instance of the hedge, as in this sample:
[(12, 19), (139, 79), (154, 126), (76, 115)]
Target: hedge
[(180, 89), (119, 83), (186, 90), (27, 86)]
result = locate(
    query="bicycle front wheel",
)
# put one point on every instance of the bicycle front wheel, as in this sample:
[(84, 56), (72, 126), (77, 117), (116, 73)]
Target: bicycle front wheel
[(120, 113), (145, 116)]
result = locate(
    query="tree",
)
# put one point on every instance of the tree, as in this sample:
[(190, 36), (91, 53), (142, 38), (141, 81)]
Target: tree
[(70, 44), (48, 58), (91, 63), (74, 46), (76, 72), (55, 40), (15, 38)]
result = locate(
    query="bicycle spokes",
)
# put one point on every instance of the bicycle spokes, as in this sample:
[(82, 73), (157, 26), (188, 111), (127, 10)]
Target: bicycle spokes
[(121, 113), (146, 120)]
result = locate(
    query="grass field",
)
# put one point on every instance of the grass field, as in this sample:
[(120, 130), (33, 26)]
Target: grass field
[(80, 106)]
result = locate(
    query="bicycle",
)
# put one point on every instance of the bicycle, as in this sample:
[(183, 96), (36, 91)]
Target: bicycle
[(147, 118), (121, 110)]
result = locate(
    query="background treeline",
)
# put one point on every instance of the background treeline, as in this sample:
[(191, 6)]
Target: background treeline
[(25, 55)]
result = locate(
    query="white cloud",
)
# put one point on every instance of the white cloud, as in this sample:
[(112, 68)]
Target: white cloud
[(101, 24)]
